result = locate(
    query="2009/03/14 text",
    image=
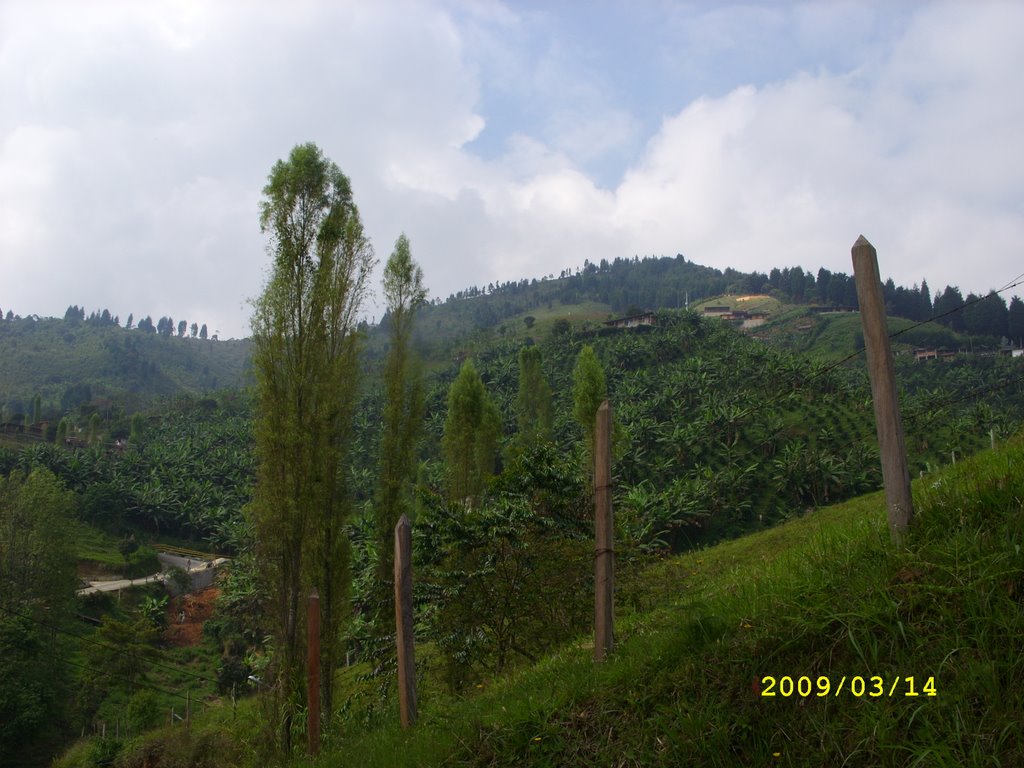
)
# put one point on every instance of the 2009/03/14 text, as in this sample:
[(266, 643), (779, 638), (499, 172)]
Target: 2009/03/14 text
[(874, 686)]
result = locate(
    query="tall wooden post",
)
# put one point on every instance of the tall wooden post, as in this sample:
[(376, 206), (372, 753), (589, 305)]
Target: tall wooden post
[(895, 474), (404, 623), (313, 684), (604, 554)]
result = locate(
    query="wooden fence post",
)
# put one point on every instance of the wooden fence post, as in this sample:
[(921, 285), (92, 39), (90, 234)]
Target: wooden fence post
[(313, 671), (404, 637), (604, 553), (895, 475)]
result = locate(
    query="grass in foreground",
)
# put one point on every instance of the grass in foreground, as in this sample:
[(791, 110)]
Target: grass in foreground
[(827, 598)]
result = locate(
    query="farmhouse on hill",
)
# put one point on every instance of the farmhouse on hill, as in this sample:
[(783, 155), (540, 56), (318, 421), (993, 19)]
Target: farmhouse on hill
[(633, 321)]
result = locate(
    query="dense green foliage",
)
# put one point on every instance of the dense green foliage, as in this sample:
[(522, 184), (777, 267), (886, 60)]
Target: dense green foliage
[(509, 577), (37, 584), (534, 415), (589, 390), (35, 549), (188, 476), (188, 469), (717, 435), (472, 431)]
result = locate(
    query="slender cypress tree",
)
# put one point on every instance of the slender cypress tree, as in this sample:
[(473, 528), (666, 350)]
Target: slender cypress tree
[(1015, 321), (589, 390), (402, 417), (472, 429), (305, 361), (533, 404)]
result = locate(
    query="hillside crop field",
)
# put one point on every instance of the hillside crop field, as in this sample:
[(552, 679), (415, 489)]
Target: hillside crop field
[(739, 572)]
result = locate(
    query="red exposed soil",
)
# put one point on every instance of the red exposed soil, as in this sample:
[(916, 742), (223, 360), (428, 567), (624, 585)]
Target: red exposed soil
[(186, 616)]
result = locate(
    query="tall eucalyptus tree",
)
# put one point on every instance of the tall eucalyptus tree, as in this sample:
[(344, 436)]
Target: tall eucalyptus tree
[(305, 361)]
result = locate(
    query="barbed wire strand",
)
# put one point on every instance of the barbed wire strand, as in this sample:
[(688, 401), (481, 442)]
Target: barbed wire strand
[(140, 683)]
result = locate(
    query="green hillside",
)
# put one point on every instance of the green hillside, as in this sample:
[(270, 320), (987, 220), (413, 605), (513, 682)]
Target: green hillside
[(46, 357), (68, 363), (838, 334), (819, 602), (719, 434), (876, 655)]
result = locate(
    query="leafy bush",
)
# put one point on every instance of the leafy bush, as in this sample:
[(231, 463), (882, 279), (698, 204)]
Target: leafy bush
[(182, 748), (30, 696), (143, 562), (511, 578), (144, 711), (154, 610), (178, 580)]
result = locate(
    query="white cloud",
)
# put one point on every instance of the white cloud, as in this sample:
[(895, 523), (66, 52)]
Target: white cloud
[(918, 152), (30, 157)]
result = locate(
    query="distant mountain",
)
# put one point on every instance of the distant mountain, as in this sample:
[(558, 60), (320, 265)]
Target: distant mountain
[(69, 362), (631, 285), (73, 360), (595, 292)]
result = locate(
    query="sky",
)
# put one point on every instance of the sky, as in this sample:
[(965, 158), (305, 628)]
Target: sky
[(507, 140)]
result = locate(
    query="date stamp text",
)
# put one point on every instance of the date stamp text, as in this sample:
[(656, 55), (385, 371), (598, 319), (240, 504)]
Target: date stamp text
[(857, 686)]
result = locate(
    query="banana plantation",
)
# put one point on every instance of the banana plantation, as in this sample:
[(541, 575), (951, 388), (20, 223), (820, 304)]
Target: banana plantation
[(716, 434)]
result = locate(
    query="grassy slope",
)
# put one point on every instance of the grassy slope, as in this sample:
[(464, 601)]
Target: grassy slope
[(745, 302), (824, 595), (833, 335)]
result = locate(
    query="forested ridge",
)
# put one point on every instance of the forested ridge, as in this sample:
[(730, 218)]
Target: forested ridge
[(631, 285), (71, 360)]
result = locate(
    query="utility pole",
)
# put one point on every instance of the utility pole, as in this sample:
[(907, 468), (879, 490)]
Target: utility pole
[(895, 475)]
